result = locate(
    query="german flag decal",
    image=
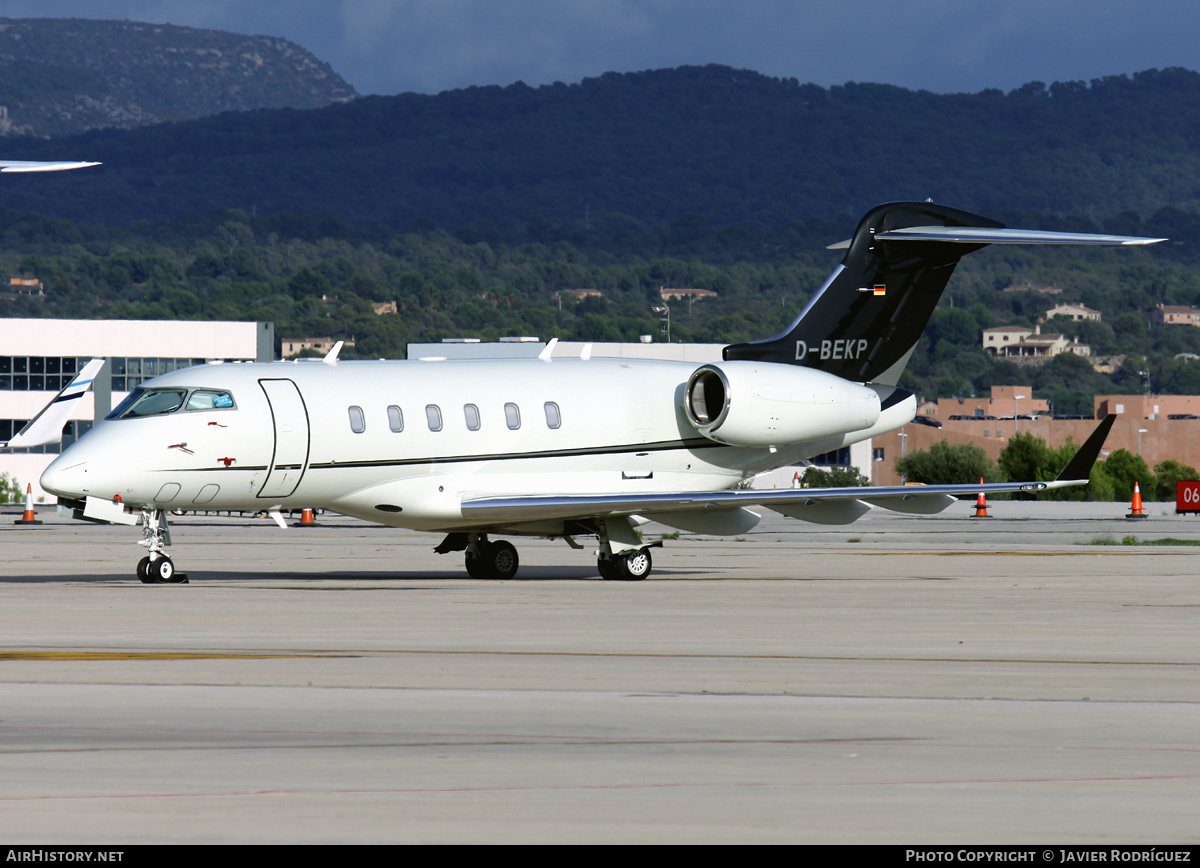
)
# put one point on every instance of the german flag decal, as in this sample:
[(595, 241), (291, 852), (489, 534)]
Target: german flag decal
[(874, 290)]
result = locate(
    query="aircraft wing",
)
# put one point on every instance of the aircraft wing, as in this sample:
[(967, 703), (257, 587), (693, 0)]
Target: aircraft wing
[(46, 426), (820, 505), (39, 166)]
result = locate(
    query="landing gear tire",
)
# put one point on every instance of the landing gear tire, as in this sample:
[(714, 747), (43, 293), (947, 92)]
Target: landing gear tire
[(493, 560), (477, 567), (631, 566), (503, 559), (160, 571)]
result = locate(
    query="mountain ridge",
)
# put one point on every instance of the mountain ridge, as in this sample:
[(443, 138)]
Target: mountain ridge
[(61, 76)]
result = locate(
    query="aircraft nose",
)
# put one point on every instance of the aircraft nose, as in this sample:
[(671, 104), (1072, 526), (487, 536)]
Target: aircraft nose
[(66, 478)]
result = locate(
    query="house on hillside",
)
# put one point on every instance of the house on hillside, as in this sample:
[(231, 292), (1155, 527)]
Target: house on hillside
[(1175, 314), (291, 346), (1028, 345), (1073, 312), (26, 285), (669, 294)]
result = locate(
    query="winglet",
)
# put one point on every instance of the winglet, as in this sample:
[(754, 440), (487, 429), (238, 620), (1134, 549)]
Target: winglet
[(1079, 468), (331, 356), (548, 350)]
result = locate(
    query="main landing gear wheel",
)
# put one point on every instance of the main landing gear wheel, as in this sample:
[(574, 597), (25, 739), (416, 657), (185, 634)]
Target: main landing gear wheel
[(157, 572), (630, 566), (493, 560)]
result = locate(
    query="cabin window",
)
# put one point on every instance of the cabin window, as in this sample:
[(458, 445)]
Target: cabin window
[(512, 416), (358, 422), (553, 416), (472, 414), (149, 402), (433, 415), (395, 419), (210, 399)]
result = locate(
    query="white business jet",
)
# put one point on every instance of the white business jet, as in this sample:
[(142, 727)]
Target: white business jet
[(554, 447)]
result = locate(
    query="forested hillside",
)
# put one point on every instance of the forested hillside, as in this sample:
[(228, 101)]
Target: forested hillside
[(319, 276), (646, 148)]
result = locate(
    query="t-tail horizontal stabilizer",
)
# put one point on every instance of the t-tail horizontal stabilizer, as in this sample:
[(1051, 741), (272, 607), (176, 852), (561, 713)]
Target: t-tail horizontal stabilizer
[(46, 426), (11, 166), (864, 322)]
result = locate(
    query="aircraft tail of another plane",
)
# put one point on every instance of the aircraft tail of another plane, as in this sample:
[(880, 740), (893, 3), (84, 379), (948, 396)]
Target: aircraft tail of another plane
[(47, 426), (864, 322)]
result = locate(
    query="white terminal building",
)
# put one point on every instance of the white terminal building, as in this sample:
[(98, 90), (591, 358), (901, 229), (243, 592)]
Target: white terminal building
[(857, 455), (38, 357)]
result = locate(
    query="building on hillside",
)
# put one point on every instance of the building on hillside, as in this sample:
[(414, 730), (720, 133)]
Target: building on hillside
[(995, 339), (669, 294), (38, 357), (382, 307), (1174, 314), (1074, 312), (26, 285), (1029, 346), (289, 347)]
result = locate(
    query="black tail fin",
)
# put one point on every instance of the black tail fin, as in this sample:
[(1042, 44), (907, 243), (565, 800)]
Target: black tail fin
[(865, 321)]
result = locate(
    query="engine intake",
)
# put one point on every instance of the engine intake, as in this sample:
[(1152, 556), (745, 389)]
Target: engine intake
[(743, 403)]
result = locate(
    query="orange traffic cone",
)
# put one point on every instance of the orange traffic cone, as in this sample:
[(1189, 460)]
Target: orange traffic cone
[(28, 517), (306, 519), (796, 479), (1136, 510), (981, 504)]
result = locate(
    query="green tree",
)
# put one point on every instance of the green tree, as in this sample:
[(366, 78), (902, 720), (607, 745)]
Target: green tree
[(832, 477), (1168, 473), (1027, 458), (1125, 468), (10, 490), (948, 463)]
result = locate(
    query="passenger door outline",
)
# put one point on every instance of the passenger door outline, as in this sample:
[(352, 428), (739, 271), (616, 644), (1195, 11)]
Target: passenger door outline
[(289, 422)]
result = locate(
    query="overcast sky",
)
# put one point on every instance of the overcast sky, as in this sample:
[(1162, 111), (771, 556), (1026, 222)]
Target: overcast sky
[(391, 46)]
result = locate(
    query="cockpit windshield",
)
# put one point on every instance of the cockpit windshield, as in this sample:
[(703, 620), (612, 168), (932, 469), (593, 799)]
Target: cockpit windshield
[(160, 402), (149, 402)]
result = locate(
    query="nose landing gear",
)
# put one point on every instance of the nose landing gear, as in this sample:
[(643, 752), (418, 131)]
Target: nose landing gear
[(157, 568)]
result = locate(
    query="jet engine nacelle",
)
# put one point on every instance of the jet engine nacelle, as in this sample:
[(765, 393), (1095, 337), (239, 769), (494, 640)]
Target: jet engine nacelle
[(743, 403)]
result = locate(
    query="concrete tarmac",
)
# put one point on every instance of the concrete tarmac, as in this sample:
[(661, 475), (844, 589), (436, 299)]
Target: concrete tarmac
[(901, 680)]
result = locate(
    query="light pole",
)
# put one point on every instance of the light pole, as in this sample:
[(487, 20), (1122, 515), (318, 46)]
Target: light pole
[(1015, 423), (664, 319), (903, 449), (1141, 431)]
